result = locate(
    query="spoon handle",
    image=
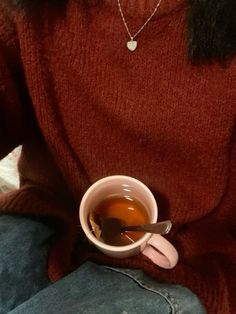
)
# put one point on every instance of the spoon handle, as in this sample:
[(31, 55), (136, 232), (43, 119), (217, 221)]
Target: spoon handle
[(162, 227)]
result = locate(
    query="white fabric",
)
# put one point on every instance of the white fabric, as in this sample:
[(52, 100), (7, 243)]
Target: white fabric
[(9, 178)]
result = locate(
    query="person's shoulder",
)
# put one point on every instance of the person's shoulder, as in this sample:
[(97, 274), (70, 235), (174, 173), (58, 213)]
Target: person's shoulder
[(8, 35), (6, 10)]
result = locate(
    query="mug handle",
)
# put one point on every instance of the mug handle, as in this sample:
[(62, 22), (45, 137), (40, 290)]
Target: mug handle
[(161, 252)]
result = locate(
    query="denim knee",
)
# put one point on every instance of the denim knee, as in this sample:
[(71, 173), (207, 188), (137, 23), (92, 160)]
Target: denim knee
[(23, 257)]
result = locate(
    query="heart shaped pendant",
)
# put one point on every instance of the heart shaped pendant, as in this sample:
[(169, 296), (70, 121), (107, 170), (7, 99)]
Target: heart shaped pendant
[(132, 45)]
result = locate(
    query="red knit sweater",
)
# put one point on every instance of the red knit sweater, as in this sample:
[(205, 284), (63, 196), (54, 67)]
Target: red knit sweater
[(84, 107)]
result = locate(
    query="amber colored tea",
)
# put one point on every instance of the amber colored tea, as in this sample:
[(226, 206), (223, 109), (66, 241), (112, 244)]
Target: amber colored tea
[(129, 210)]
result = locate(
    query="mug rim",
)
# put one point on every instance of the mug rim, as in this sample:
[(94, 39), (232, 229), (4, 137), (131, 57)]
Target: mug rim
[(89, 233)]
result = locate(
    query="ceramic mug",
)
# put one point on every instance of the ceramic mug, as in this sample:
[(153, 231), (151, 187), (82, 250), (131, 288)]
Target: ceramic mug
[(154, 246)]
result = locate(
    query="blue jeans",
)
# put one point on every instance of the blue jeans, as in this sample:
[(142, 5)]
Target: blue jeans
[(91, 289)]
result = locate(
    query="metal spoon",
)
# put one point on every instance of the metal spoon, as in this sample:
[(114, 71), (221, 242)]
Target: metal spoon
[(111, 227)]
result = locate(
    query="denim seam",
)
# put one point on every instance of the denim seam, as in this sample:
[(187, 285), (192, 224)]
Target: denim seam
[(163, 292)]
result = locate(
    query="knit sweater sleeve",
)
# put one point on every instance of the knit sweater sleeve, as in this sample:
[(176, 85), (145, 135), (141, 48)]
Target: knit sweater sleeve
[(14, 101), (18, 126), (208, 249), (215, 263)]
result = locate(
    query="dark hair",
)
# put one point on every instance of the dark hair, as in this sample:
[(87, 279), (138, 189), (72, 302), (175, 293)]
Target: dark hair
[(211, 25), (212, 28)]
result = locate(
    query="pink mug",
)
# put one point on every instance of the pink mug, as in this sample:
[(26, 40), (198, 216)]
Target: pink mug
[(154, 246)]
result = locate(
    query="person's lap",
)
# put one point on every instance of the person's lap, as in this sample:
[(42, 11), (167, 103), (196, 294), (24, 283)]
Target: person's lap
[(23, 257), (24, 287)]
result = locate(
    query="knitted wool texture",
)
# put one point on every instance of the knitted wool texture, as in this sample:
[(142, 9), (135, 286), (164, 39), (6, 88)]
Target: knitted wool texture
[(84, 107)]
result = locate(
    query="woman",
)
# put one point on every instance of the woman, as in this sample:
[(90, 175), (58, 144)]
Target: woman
[(142, 88)]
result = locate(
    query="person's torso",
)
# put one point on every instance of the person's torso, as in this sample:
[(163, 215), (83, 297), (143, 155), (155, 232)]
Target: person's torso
[(150, 113)]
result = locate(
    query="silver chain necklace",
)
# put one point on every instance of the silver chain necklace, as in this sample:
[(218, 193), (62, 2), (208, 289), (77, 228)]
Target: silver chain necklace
[(132, 44)]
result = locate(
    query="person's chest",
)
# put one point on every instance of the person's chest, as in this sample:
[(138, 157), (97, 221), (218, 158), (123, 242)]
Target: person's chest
[(148, 113)]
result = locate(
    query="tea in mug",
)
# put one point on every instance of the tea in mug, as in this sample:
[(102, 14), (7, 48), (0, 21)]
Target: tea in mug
[(129, 210)]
